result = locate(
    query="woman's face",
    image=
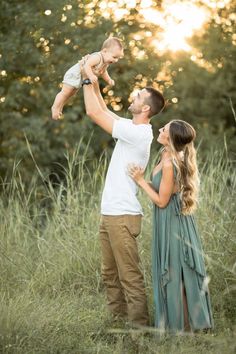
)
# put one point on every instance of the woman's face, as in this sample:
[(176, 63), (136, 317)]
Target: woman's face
[(163, 137)]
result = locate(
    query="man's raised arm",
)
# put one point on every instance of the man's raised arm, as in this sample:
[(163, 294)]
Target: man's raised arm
[(96, 108)]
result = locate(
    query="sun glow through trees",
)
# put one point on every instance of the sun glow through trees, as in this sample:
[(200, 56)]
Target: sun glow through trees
[(176, 21)]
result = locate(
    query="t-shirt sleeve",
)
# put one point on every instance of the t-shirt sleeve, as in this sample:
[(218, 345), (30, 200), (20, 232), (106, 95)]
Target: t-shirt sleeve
[(124, 130)]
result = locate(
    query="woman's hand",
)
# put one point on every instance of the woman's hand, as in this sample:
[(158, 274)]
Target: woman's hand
[(136, 172)]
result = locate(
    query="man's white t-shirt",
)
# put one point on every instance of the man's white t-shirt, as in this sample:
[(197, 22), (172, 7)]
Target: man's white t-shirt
[(133, 146)]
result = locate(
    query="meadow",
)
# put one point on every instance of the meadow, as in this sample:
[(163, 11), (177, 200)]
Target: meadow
[(52, 298)]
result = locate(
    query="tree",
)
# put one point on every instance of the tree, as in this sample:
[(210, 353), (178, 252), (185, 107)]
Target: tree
[(35, 57)]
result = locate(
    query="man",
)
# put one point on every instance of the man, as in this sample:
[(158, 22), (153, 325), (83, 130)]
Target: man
[(120, 209)]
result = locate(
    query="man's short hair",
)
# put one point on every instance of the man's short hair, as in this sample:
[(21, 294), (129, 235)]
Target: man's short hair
[(109, 42), (155, 101)]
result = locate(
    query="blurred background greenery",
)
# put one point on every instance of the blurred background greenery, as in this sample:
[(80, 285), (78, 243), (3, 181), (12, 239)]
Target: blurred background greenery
[(184, 48)]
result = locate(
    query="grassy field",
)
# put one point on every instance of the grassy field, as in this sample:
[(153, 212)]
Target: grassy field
[(51, 295)]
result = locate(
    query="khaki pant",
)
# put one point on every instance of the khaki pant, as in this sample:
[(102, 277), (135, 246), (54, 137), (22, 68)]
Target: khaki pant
[(121, 273)]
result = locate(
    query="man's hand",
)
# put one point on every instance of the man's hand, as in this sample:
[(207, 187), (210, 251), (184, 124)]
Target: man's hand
[(89, 74), (82, 62), (93, 78)]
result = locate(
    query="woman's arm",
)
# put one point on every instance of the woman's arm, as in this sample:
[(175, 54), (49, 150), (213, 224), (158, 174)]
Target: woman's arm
[(162, 198)]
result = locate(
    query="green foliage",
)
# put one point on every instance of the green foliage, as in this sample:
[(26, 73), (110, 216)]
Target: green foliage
[(204, 96), (43, 45)]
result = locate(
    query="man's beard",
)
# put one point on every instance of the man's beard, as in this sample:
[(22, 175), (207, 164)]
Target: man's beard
[(134, 110)]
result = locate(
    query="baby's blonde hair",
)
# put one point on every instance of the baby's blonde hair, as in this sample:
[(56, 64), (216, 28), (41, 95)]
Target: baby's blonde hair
[(112, 41)]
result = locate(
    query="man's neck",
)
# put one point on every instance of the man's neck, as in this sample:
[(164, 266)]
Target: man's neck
[(140, 119)]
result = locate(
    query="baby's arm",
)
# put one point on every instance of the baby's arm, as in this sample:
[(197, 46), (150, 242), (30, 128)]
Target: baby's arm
[(92, 60), (107, 78)]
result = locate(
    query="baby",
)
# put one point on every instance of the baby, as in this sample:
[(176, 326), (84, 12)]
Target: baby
[(94, 65)]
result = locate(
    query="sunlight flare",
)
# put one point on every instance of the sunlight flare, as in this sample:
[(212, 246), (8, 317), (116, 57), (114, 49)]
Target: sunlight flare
[(177, 23)]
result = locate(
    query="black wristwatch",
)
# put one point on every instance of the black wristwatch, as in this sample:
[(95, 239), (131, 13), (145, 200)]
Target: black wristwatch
[(86, 82)]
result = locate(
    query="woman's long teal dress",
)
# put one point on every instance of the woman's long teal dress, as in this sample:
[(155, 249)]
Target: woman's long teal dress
[(177, 260)]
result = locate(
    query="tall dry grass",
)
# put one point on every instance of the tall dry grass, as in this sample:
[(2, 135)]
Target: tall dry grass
[(51, 296)]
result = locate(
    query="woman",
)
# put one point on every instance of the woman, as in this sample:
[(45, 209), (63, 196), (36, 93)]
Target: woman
[(180, 284)]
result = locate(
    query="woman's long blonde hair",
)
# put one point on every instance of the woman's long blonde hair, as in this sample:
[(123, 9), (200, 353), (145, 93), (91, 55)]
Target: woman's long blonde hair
[(181, 136)]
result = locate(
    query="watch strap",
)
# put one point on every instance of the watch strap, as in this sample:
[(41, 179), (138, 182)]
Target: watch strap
[(86, 82)]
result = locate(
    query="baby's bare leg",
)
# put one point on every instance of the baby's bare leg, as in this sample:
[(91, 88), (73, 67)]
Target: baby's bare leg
[(61, 99)]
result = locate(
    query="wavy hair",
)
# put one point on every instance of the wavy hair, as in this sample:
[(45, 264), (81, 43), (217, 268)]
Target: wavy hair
[(182, 136)]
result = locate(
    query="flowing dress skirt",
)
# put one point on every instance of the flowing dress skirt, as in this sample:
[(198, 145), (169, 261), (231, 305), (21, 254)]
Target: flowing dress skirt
[(177, 260)]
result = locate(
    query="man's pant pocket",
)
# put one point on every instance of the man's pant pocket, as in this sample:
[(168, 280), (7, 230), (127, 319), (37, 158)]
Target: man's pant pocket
[(133, 224)]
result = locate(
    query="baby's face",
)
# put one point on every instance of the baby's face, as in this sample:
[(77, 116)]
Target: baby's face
[(112, 54)]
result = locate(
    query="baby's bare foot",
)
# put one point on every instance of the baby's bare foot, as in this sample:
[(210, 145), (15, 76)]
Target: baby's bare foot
[(61, 116), (56, 113)]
